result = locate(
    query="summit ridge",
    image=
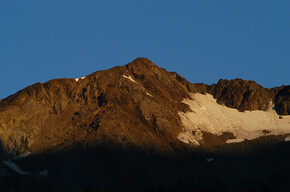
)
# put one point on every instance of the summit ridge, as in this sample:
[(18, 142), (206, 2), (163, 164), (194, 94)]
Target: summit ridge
[(135, 104)]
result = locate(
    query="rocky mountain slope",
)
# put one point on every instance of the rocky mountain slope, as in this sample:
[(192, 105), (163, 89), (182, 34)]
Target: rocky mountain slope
[(136, 110), (136, 104)]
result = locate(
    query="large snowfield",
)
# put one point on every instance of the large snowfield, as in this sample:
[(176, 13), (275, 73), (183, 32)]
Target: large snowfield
[(207, 115)]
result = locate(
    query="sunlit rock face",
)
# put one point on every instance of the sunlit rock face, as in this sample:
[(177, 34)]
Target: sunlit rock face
[(136, 104), (141, 105), (248, 95)]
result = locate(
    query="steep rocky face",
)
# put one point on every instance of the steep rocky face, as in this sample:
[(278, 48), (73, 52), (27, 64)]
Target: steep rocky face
[(108, 126), (282, 99), (248, 95), (241, 94), (135, 104), (132, 105), (191, 87)]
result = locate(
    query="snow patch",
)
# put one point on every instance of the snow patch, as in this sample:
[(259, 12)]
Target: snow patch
[(149, 94), (77, 79), (15, 168), (130, 78), (211, 117)]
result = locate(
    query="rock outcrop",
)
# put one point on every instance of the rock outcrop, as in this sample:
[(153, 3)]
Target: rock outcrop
[(135, 104), (248, 95), (241, 94), (281, 97), (132, 105)]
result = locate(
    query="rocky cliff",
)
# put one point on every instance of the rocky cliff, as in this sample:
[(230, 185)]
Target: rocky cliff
[(132, 105), (243, 94), (138, 127), (248, 95), (135, 104)]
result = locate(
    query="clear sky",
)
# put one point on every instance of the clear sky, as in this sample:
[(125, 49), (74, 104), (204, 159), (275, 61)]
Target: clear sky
[(202, 40)]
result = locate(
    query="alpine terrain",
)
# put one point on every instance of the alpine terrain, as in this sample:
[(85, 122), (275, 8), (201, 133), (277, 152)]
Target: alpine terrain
[(139, 127)]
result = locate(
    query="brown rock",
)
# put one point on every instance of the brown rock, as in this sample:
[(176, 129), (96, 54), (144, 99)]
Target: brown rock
[(241, 94), (132, 105), (105, 107)]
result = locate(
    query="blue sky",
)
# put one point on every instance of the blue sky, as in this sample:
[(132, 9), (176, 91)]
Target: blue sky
[(202, 40)]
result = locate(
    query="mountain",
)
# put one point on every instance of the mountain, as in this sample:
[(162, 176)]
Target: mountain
[(141, 112), (137, 104)]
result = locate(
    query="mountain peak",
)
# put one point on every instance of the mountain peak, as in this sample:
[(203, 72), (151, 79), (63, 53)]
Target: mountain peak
[(134, 109), (142, 60), (118, 105), (141, 63)]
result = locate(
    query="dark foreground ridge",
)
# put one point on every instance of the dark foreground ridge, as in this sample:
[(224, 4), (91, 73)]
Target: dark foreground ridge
[(260, 165), (116, 130)]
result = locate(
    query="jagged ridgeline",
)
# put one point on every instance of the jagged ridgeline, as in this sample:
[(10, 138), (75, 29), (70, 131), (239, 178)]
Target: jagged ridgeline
[(138, 104)]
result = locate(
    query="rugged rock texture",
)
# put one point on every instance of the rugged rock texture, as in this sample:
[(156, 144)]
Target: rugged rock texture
[(135, 104), (116, 130), (132, 105), (194, 88), (241, 94), (282, 99), (248, 95)]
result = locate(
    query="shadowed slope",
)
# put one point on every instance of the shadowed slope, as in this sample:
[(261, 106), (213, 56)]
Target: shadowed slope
[(259, 165), (118, 129)]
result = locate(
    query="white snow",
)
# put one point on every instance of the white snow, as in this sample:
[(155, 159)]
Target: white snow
[(209, 116), (287, 139), (15, 168), (149, 94), (77, 79), (22, 155), (130, 78)]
